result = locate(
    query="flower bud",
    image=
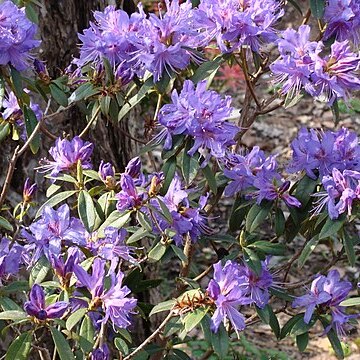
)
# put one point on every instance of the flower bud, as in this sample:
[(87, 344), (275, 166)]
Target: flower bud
[(29, 191)]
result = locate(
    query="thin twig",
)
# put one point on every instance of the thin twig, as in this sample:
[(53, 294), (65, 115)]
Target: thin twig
[(93, 118), (151, 337)]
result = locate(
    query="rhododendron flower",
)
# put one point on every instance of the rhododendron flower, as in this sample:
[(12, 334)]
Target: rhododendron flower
[(54, 229), (326, 293), (129, 197), (10, 257), (29, 191), (342, 18), (64, 269), (17, 36), (201, 114), (113, 299), (36, 305), (256, 287), (67, 154), (107, 175), (234, 23), (320, 153), (227, 295)]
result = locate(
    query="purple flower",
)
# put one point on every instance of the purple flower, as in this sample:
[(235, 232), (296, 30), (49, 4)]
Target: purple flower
[(133, 168), (102, 353), (235, 23), (256, 287), (64, 269), (107, 175), (29, 191), (315, 297), (17, 36), (129, 197), (335, 75), (200, 114), (67, 154), (55, 229), (322, 152), (10, 257), (224, 290), (113, 299), (342, 18), (341, 190), (112, 247), (165, 43), (327, 292), (36, 305)]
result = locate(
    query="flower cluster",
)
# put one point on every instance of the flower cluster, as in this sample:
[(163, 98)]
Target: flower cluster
[(319, 153), (138, 191), (257, 176), (325, 296), (234, 285), (140, 42), (67, 154), (302, 66), (17, 36), (238, 23), (201, 114), (342, 18)]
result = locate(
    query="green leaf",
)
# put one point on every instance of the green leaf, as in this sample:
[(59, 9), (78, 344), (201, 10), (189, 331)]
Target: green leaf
[(256, 215), (4, 131), (31, 13), (180, 355), (335, 112), (144, 221), (30, 125), (15, 286), (145, 89), (291, 100), (163, 306), (86, 210), (121, 345), (56, 199), (220, 342), (137, 235), (192, 319), (279, 222), (75, 317), (206, 69), (302, 341), (116, 220), (84, 91), (252, 260), (168, 169), (238, 213), (308, 249), (157, 252), (20, 347), (331, 227), (62, 346), (287, 328), (39, 271), (334, 340), (304, 189), (5, 224), (13, 315), (179, 253), (190, 164), (355, 301), (281, 294), (210, 178), (58, 95), (87, 334), (165, 210), (268, 247), (349, 248), (268, 317), (17, 81), (317, 8), (8, 304)]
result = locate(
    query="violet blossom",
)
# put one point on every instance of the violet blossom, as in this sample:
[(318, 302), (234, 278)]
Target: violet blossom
[(36, 305), (107, 175), (10, 257), (53, 230), (326, 294), (64, 269), (318, 153), (201, 114), (17, 36), (224, 290), (29, 191), (113, 300), (66, 154)]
